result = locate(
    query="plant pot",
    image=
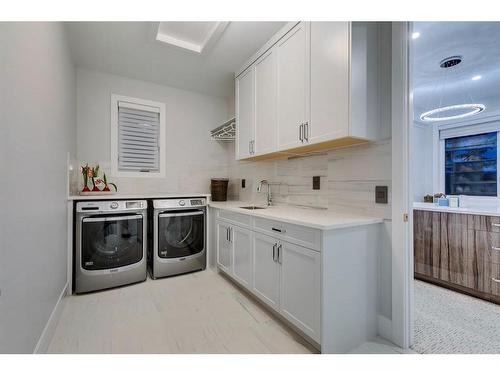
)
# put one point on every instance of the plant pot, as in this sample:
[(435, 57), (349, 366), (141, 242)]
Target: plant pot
[(85, 188)]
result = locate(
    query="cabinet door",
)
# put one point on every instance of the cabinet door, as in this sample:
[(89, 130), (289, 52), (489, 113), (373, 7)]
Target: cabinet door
[(224, 247), (293, 85), (300, 300), (329, 81), (245, 113), (453, 248), (242, 255), (265, 283), (266, 101)]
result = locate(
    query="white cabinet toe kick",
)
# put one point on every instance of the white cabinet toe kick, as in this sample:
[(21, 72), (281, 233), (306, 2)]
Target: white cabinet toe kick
[(322, 283)]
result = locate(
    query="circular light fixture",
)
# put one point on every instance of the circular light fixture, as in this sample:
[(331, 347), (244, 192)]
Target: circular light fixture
[(455, 112), (450, 61), (415, 35), (476, 78)]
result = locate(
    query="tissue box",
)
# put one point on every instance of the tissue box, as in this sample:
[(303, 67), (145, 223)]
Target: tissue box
[(443, 202)]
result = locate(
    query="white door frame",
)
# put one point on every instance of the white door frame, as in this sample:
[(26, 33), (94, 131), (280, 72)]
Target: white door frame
[(402, 249)]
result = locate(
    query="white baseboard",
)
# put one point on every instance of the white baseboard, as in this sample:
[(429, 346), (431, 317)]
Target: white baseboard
[(48, 332), (384, 327)]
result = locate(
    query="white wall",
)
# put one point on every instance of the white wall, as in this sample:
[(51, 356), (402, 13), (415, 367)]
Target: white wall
[(37, 107), (423, 163), (191, 157)]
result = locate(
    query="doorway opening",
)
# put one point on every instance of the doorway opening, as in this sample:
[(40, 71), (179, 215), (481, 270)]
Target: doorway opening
[(454, 141)]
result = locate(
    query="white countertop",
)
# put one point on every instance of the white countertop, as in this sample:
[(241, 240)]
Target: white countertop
[(488, 210), (136, 196), (324, 219)]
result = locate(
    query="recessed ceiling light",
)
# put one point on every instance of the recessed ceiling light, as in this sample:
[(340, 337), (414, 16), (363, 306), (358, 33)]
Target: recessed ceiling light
[(471, 109), (476, 78), (415, 35)]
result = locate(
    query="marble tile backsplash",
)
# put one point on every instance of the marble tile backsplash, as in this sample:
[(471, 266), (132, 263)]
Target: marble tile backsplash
[(348, 178)]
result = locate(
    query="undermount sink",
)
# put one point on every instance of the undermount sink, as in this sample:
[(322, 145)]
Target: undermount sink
[(253, 208)]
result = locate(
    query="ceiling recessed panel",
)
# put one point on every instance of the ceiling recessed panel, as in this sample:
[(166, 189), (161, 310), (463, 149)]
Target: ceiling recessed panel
[(197, 37)]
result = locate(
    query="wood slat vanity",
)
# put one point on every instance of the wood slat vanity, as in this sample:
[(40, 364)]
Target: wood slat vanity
[(458, 251)]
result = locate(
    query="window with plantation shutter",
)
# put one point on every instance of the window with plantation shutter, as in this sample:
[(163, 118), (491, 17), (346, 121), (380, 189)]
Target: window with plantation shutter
[(137, 137)]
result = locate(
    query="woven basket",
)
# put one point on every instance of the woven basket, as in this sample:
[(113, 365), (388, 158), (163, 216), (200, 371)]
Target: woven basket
[(218, 188)]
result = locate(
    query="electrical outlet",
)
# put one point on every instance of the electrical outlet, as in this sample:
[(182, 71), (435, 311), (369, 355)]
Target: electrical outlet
[(316, 182), (381, 194)]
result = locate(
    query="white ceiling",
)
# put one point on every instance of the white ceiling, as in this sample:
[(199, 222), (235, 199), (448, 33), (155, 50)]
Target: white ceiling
[(479, 45), (130, 49)]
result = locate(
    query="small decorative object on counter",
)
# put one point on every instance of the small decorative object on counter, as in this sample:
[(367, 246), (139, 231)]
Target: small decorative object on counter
[(218, 188), (443, 201), (429, 199), (437, 196), (85, 171), (99, 186), (454, 202), (95, 172), (106, 184)]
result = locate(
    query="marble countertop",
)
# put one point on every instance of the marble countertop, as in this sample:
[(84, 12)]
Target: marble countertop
[(324, 219), (136, 196), (487, 210)]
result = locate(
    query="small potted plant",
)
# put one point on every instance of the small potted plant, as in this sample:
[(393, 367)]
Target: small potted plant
[(106, 184), (85, 171), (94, 174)]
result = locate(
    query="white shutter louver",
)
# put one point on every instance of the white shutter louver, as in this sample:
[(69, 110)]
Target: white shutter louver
[(138, 138)]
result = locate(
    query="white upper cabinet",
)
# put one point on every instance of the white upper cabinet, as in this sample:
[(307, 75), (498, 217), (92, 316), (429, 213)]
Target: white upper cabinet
[(332, 82), (293, 86), (245, 113), (329, 81), (266, 99)]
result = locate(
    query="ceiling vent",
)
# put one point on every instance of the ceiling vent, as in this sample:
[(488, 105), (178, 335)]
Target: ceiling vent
[(450, 62), (198, 37)]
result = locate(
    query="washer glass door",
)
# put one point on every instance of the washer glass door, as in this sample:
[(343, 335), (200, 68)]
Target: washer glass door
[(181, 233), (111, 241)]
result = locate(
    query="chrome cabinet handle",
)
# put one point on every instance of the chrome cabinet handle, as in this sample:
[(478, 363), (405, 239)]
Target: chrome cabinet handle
[(274, 252), (280, 247), (495, 225), (227, 234), (495, 280), (495, 248), (306, 131), (253, 146), (280, 230), (300, 133), (230, 234)]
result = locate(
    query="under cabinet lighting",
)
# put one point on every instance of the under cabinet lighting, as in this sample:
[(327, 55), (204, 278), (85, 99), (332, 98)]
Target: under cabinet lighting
[(415, 35), (476, 78)]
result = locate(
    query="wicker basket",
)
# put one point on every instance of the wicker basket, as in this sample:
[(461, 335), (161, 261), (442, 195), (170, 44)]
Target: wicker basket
[(218, 188)]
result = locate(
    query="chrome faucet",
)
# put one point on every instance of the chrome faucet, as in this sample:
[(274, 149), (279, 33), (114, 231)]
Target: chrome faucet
[(269, 197)]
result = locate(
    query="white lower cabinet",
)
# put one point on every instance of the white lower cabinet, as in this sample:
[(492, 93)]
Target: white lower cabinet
[(300, 287), (266, 270), (224, 247), (283, 275), (242, 255)]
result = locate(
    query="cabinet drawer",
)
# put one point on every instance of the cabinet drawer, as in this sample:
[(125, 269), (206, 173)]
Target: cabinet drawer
[(235, 218), (307, 237), (481, 222), (484, 245)]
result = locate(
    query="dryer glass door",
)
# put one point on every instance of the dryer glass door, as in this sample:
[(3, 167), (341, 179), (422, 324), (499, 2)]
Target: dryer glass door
[(181, 233), (111, 241)]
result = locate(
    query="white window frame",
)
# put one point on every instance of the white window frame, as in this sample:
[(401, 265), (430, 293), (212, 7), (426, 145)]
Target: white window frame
[(115, 99), (464, 129)]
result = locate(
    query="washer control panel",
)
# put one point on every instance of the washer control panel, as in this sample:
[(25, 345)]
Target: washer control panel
[(180, 203), (107, 206)]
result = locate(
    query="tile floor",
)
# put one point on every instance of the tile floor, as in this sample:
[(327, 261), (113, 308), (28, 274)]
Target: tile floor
[(201, 312)]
